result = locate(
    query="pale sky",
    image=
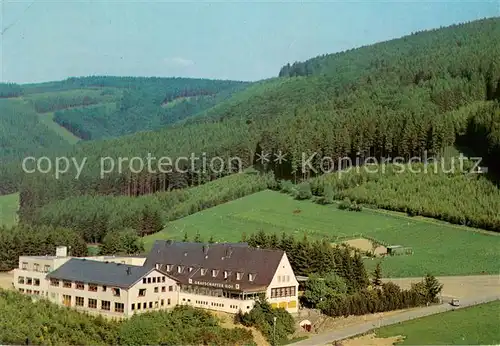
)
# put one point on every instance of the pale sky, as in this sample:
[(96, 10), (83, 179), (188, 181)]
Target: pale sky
[(53, 40)]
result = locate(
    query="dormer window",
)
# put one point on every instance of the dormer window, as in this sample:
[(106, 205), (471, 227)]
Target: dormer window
[(238, 276), (169, 267), (226, 274), (180, 269), (190, 269), (203, 271), (251, 277), (158, 265), (215, 272)]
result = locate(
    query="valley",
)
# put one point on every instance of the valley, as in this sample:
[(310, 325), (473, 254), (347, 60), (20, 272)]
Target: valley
[(345, 169)]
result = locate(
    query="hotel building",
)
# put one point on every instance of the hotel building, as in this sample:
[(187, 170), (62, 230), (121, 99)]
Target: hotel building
[(222, 277)]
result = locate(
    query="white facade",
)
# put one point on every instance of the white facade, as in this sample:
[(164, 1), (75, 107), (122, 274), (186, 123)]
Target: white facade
[(283, 290), (153, 291), (143, 296)]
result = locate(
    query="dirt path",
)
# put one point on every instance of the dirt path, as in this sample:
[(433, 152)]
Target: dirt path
[(349, 332), (470, 290)]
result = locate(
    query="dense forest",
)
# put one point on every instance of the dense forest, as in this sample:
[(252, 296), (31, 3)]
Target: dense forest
[(53, 101), (458, 197), (24, 240), (10, 90), (23, 321), (138, 111), (95, 108), (22, 134), (482, 134), (404, 97), (93, 217)]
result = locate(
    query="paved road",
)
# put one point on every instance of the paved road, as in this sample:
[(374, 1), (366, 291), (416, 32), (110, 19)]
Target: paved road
[(329, 337)]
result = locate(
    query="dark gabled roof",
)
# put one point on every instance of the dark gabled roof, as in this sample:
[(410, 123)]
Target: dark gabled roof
[(100, 273), (232, 258)]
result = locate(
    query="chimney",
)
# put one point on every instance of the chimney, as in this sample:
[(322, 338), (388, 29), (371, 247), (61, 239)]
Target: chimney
[(129, 271), (61, 251)]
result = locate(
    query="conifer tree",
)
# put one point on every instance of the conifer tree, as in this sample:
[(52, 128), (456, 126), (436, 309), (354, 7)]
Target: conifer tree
[(273, 241), (197, 238), (432, 287), (359, 272), (377, 276)]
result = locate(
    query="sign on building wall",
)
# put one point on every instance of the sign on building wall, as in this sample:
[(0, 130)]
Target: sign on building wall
[(213, 284)]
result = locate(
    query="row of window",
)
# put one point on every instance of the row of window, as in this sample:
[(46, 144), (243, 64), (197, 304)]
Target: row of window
[(116, 291), (36, 267), (154, 280), (163, 289), (81, 286), (220, 305), (215, 272), (92, 303), (149, 305), (201, 302), (28, 281), (282, 292), (31, 292)]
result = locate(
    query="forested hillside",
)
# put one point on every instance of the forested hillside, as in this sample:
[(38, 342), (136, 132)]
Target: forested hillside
[(22, 134), (94, 108), (141, 111), (399, 98)]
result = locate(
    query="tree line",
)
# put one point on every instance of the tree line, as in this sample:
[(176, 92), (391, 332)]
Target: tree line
[(24, 240), (8, 90), (316, 257), (338, 283), (94, 217), (330, 297)]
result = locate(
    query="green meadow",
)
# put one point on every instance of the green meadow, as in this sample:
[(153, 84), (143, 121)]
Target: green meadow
[(8, 209), (48, 120), (477, 325), (438, 248)]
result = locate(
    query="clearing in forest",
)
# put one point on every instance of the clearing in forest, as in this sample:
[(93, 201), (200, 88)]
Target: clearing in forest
[(9, 204)]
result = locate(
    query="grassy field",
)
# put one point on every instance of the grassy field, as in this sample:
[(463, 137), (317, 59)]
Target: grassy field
[(8, 208), (48, 120), (439, 248), (477, 325)]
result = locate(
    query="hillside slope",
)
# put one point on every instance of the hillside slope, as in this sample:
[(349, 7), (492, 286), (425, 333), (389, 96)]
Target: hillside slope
[(383, 100), (56, 115)]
